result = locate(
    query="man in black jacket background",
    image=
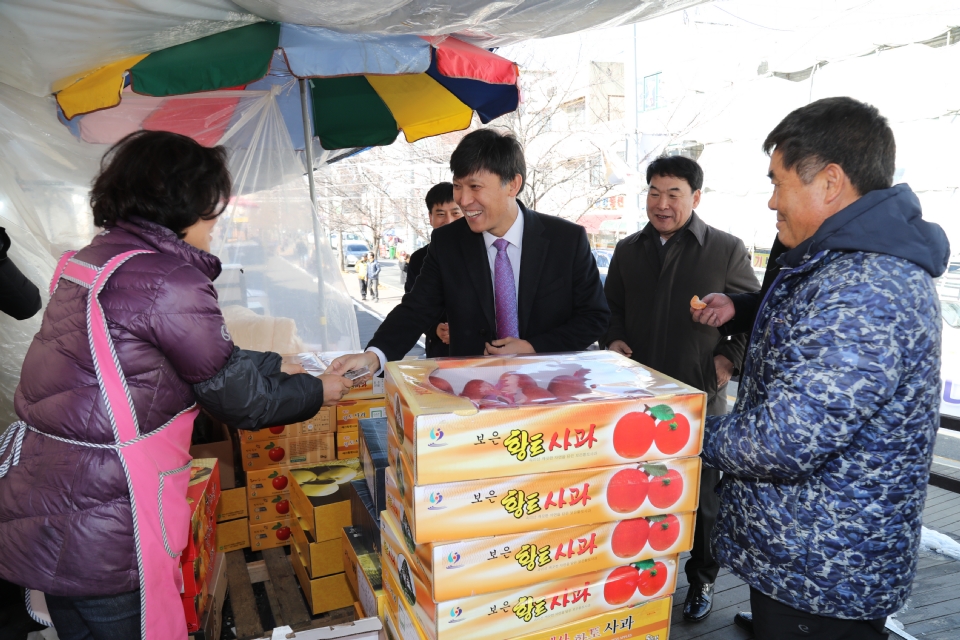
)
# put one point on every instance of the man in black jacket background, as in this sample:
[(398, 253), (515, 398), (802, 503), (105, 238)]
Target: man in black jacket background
[(652, 277), (510, 280), (441, 211)]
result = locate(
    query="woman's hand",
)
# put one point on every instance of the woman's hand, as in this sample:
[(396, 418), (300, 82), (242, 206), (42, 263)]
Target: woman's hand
[(334, 388), (719, 310)]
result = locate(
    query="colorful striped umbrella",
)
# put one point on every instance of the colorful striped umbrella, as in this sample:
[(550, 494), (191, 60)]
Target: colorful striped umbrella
[(364, 89)]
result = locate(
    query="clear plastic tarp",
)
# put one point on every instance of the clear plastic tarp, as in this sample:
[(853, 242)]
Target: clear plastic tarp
[(44, 44), (281, 288)]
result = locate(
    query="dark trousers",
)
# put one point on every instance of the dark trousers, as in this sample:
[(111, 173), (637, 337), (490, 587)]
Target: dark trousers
[(97, 618), (702, 567), (775, 620), (363, 289), (374, 284), (15, 622)]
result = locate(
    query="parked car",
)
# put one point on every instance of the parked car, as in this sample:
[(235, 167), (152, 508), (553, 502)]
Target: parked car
[(602, 256), (355, 252)]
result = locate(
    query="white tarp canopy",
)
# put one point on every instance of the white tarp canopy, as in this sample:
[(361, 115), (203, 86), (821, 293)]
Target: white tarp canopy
[(45, 43)]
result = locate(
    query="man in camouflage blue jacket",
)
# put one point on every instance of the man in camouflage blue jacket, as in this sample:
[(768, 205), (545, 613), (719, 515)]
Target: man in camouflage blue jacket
[(827, 452)]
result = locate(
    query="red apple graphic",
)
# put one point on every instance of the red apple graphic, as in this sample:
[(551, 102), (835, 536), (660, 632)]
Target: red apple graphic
[(633, 434), (672, 431), (664, 531), (283, 507), (629, 537), (666, 485), (279, 482), (626, 490), (620, 585), (653, 575), (283, 533), (277, 430), (276, 454)]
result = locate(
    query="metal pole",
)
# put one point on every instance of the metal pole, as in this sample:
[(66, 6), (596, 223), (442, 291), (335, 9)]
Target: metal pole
[(308, 151)]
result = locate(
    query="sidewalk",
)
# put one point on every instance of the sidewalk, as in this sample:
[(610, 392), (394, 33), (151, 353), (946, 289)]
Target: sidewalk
[(370, 314)]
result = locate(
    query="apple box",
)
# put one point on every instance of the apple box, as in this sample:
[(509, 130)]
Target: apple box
[(268, 482), (270, 508), (260, 454), (268, 535), (324, 422), (519, 504), (533, 608), (473, 418), (484, 565), (320, 496)]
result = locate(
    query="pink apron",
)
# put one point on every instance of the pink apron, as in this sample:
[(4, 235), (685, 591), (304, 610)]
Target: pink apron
[(157, 464)]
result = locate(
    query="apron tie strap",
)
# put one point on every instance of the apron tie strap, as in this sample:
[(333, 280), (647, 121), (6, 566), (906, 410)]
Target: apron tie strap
[(14, 434)]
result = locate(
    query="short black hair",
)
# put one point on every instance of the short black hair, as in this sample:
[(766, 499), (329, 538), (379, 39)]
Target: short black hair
[(839, 131), (163, 177), (489, 150), (677, 167), (440, 193)]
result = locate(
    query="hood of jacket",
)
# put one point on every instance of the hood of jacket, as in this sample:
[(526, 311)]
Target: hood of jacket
[(887, 221)]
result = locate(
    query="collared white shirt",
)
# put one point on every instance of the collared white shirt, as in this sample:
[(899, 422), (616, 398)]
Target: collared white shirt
[(514, 236)]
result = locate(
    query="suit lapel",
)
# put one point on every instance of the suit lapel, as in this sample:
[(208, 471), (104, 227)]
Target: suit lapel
[(478, 266), (533, 254)]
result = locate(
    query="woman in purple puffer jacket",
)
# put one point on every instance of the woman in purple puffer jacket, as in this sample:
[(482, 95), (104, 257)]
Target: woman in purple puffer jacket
[(93, 480)]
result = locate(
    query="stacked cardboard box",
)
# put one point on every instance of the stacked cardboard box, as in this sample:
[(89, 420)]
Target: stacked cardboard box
[(268, 455), (579, 474), (364, 400), (233, 523), (320, 509), (197, 559)]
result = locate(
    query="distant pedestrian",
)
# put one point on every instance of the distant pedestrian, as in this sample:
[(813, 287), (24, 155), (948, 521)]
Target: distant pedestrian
[(373, 276), (362, 275)]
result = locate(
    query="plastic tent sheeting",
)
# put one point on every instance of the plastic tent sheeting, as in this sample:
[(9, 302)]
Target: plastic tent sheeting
[(45, 174), (44, 44)]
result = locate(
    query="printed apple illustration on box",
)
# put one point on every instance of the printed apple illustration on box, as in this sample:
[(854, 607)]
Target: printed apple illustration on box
[(274, 452), (281, 531), (279, 481), (648, 577), (638, 430), (281, 504), (277, 430), (628, 488)]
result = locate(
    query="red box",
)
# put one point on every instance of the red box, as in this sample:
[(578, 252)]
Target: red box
[(203, 493)]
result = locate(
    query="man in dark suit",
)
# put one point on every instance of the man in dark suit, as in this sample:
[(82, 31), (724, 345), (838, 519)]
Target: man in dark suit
[(441, 211), (510, 280)]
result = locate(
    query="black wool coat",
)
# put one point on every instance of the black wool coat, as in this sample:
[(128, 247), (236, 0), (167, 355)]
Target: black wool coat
[(650, 306)]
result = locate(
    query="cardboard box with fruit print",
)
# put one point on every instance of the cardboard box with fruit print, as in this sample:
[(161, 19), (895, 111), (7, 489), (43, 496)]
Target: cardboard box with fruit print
[(269, 508), (518, 504), (203, 495), (324, 422), (473, 418), (315, 363), (483, 565), (647, 621), (300, 450), (320, 496), (545, 605), (271, 481), (269, 535)]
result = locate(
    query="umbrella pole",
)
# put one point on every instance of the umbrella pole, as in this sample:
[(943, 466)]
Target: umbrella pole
[(308, 150)]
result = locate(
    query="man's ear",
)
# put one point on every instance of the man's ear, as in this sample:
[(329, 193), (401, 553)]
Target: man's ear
[(836, 182), (696, 198), (515, 185)]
